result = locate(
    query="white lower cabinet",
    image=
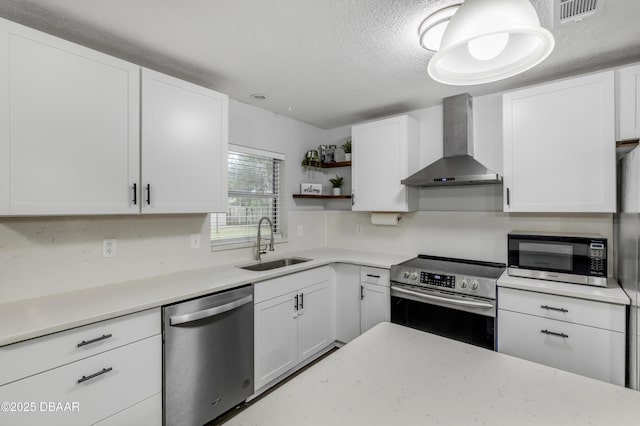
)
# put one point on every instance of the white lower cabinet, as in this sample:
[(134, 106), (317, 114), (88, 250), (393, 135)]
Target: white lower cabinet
[(294, 320), (580, 336), (315, 329), (94, 388), (362, 299), (375, 303), (275, 338), (147, 412), (348, 293)]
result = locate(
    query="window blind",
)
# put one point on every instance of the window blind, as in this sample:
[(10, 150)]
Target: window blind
[(254, 192)]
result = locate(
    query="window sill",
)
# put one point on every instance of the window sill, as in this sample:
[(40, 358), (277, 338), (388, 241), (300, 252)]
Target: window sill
[(218, 246)]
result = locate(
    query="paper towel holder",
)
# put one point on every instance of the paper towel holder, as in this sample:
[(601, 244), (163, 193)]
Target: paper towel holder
[(385, 218)]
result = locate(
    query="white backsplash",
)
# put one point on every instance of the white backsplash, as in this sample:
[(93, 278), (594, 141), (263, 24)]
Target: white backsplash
[(41, 256), (467, 235)]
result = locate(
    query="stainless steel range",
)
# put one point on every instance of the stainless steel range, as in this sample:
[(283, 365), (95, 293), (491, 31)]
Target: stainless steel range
[(454, 298)]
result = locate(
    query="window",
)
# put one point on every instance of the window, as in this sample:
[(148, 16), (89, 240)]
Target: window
[(254, 192)]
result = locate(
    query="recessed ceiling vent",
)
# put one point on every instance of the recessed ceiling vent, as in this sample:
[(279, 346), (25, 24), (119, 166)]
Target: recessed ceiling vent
[(576, 10)]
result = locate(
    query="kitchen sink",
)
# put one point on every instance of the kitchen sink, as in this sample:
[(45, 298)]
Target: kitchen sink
[(274, 264)]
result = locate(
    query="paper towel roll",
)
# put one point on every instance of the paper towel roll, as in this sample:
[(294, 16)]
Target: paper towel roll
[(388, 219)]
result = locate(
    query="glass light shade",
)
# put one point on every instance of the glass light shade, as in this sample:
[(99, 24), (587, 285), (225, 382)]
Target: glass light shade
[(490, 40), (488, 47)]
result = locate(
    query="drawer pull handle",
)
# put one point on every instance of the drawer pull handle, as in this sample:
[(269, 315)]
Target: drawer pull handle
[(97, 339), (373, 276), (552, 333), (94, 375), (551, 308)]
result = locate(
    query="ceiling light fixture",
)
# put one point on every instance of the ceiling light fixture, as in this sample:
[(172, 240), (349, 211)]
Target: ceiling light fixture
[(434, 25), (490, 40)]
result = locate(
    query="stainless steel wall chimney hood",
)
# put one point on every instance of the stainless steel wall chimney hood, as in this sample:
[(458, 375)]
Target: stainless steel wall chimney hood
[(457, 167)]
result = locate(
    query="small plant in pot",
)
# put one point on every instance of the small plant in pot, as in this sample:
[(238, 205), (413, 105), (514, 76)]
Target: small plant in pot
[(346, 147), (337, 183)]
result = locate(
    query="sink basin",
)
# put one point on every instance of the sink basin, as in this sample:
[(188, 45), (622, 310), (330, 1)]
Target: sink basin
[(274, 264)]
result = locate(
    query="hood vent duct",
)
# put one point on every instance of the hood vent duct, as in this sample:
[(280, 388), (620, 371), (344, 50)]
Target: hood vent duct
[(457, 167)]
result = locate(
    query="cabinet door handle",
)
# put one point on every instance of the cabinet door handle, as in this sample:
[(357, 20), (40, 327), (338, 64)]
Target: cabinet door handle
[(148, 194), (135, 194), (551, 308), (295, 308), (301, 301), (97, 339), (94, 375), (552, 333), (353, 199), (508, 197), (361, 292)]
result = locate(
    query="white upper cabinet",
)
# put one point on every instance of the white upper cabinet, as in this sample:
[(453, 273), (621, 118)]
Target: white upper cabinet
[(69, 127), (559, 146), (628, 93), (184, 146), (70, 134), (384, 152)]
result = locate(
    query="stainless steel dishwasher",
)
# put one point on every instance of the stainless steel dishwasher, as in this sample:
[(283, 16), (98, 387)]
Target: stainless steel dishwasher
[(207, 356)]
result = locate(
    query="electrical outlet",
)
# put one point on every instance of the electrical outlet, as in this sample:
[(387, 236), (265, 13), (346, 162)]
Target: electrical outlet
[(359, 229), (195, 241), (300, 230), (109, 247)]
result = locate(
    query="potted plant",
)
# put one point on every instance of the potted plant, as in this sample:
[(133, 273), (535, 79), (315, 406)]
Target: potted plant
[(346, 147), (337, 183), (311, 160)]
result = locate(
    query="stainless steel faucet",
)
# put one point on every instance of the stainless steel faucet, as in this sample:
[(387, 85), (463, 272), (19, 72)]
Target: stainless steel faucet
[(259, 250)]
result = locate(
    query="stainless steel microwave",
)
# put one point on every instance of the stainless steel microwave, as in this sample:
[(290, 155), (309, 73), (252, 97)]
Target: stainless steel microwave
[(572, 258)]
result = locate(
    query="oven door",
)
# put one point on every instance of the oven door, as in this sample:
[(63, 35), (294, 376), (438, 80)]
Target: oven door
[(464, 318)]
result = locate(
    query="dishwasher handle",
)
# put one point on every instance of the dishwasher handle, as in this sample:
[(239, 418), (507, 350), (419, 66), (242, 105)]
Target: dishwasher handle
[(216, 310)]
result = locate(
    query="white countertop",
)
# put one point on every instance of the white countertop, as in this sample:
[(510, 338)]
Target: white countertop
[(26, 319), (394, 375), (613, 293)]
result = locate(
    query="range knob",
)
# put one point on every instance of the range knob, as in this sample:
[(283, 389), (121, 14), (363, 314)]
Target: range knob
[(406, 274), (464, 283), (414, 276), (474, 285)]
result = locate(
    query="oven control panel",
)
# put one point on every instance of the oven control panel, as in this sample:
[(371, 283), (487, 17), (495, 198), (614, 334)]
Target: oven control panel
[(438, 280)]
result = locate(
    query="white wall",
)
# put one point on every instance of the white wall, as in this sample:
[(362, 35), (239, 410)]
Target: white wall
[(465, 235), (45, 255)]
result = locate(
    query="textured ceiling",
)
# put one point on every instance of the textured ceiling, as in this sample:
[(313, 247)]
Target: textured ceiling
[(334, 62)]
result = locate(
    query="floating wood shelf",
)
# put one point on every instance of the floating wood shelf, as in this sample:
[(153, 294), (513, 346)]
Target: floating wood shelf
[(335, 197), (337, 164)]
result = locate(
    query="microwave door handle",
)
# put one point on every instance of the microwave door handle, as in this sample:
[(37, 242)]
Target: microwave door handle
[(444, 299)]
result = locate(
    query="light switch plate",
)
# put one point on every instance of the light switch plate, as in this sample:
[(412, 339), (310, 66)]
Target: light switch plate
[(195, 241), (300, 230), (359, 229)]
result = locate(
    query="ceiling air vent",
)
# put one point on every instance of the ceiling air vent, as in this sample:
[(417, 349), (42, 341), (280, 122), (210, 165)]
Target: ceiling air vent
[(576, 10)]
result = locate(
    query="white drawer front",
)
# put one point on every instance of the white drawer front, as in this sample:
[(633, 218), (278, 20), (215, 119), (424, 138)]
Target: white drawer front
[(47, 352), (588, 351), (147, 413), (374, 275), (578, 311), (136, 374), (269, 289)]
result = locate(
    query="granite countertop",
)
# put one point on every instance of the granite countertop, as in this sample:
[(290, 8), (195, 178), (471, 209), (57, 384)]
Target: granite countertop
[(612, 293), (393, 375), (30, 318)]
